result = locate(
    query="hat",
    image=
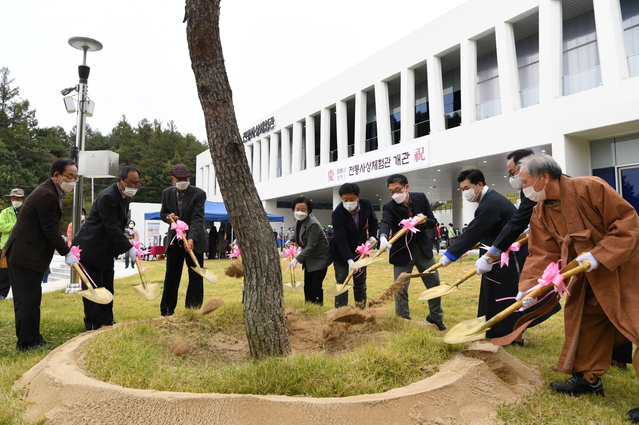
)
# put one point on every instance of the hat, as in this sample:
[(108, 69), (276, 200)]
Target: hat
[(180, 171), (18, 193)]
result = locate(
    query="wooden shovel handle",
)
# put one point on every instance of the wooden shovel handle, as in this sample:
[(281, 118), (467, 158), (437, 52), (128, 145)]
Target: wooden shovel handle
[(80, 272), (138, 263)]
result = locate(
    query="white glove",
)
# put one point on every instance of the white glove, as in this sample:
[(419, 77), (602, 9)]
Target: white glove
[(293, 263), (527, 231), (594, 263), (69, 259), (350, 265), (133, 253), (482, 265), (383, 243), (445, 261), (372, 239), (528, 302)]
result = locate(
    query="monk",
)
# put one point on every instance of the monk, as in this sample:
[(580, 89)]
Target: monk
[(586, 219)]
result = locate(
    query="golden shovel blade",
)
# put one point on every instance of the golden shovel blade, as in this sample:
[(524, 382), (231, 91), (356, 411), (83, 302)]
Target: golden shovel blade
[(151, 292), (437, 291), (467, 331), (290, 288), (337, 289), (97, 295), (206, 274)]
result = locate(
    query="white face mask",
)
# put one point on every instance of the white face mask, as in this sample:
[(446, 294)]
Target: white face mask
[(299, 215), (16, 204), (533, 195), (182, 185), (515, 182), (470, 195), (399, 197), (82, 217), (131, 226), (129, 191), (350, 206), (67, 186)]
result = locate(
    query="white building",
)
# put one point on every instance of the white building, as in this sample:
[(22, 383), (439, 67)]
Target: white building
[(489, 77)]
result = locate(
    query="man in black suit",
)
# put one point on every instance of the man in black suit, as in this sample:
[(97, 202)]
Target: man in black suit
[(414, 249), (30, 249), (186, 203), (101, 239), (354, 223)]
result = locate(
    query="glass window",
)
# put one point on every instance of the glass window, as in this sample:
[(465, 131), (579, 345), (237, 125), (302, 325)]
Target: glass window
[(630, 17), (581, 54), (488, 94)]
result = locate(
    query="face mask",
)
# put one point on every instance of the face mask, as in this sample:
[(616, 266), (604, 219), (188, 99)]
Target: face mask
[(299, 215), (470, 195), (67, 186), (129, 191), (533, 195), (131, 226), (350, 206), (182, 185), (82, 217), (399, 197), (16, 204), (515, 182)]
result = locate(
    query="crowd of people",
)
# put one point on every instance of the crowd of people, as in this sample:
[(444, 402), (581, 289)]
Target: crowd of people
[(566, 218)]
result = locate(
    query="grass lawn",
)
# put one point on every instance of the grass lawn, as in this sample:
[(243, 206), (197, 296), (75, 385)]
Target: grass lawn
[(62, 320)]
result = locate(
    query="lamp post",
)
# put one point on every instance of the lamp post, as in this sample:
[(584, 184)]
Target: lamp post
[(86, 45)]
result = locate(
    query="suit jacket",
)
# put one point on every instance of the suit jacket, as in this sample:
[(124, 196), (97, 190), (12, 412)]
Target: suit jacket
[(192, 214), (517, 224), (101, 237), (37, 232), (347, 237), (316, 252), (393, 213)]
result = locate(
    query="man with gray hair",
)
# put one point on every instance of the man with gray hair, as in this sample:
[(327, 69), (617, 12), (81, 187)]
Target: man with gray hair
[(583, 218)]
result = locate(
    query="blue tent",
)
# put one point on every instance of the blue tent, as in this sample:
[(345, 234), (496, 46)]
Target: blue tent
[(213, 211)]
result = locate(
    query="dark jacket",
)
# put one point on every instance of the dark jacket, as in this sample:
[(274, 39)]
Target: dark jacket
[(316, 252), (192, 214), (347, 237), (37, 232), (393, 213), (517, 224), (101, 237)]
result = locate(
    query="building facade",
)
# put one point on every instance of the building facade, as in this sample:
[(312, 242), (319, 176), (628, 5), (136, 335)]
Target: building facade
[(489, 77)]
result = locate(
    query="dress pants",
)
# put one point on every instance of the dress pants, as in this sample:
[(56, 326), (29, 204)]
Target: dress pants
[(5, 284), (430, 281), (98, 315), (175, 256), (313, 292), (358, 281), (27, 296)]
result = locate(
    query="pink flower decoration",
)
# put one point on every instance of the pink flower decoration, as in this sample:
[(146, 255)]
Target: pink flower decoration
[(180, 229), (410, 223), (235, 252), (364, 249), (505, 256), (552, 275), (291, 252), (75, 250), (136, 245)]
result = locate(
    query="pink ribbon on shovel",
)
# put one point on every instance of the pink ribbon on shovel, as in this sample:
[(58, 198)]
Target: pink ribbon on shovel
[(235, 252), (364, 249), (75, 250), (290, 252), (410, 223), (136, 245), (505, 256), (180, 228), (552, 275)]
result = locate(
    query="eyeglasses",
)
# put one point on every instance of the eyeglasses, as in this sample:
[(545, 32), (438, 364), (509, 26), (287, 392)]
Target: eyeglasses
[(398, 190), (513, 172), (133, 185), (73, 179)]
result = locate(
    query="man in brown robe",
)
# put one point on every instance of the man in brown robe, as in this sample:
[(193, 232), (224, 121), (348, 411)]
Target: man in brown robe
[(586, 219)]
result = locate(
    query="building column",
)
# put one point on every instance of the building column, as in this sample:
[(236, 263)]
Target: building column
[(248, 149), (435, 94), (336, 198), (310, 142), (257, 145), (273, 146), (265, 159), (286, 151), (613, 60), (297, 147), (507, 63), (468, 68), (407, 82), (342, 130), (382, 115), (325, 135), (550, 50), (360, 122)]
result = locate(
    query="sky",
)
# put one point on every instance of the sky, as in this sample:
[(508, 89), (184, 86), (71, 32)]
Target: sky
[(275, 51)]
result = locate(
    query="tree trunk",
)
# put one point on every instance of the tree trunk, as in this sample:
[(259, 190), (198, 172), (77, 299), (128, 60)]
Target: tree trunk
[(263, 299)]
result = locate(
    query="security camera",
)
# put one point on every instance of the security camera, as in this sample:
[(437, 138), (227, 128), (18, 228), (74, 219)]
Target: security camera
[(67, 91)]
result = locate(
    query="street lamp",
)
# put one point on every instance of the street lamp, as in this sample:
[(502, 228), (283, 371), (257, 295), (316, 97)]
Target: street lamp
[(85, 107)]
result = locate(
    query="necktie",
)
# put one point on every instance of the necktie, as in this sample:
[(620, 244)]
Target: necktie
[(180, 196)]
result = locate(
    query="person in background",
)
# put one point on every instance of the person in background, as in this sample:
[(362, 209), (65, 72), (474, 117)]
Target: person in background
[(452, 235), (316, 252), (70, 227), (354, 223), (212, 242), (131, 234), (30, 247), (8, 219)]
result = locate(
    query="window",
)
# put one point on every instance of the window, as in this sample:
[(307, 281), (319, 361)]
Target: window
[(630, 17), (581, 55), (395, 106), (452, 98), (422, 115), (528, 66), (371, 122)]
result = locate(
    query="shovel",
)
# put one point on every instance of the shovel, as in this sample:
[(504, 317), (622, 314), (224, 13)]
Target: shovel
[(147, 291), (475, 329), (338, 288), (97, 295), (293, 287), (442, 290), (206, 274)]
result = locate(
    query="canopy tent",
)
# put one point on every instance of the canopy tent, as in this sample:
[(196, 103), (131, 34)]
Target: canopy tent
[(213, 211)]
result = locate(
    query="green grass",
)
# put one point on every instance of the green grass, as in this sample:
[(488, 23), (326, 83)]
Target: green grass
[(406, 355)]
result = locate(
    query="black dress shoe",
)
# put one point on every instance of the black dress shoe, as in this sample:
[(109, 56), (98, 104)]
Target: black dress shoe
[(36, 347), (634, 414), (577, 385), (440, 325), (43, 340)]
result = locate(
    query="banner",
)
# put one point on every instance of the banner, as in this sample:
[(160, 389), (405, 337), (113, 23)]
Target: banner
[(153, 233)]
